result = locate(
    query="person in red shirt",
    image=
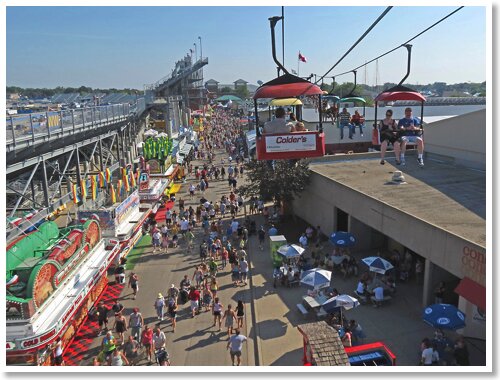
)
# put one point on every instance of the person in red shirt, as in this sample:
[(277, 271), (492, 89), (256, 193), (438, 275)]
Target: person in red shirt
[(147, 342), (357, 120), (194, 297)]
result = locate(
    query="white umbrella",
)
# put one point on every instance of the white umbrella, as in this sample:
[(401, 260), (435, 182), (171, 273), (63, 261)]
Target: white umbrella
[(316, 278), (150, 132), (343, 301), (377, 264), (290, 250), (162, 134)]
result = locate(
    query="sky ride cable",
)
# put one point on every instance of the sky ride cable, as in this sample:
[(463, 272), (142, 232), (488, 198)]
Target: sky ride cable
[(356, 43), (403, 44)]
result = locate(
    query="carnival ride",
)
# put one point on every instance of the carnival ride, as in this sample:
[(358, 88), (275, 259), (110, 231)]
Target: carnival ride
[(294, 145)]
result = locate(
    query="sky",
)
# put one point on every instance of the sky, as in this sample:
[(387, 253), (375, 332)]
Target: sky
[(125, 47)]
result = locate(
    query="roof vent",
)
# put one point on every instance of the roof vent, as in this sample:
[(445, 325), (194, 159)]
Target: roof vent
[(398, 177)]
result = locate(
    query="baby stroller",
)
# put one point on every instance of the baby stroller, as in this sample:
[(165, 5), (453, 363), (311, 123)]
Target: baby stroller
[(161, 356)]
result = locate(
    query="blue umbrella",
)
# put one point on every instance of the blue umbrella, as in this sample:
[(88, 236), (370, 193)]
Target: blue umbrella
[(316, 278), (444, 316), (377, 264), (342, 239)]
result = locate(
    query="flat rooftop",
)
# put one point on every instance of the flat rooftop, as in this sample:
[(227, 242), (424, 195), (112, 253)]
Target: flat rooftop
[(452, 198)]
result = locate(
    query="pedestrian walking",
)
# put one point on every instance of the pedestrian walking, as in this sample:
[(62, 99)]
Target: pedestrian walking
[(235, 346), (243, 270), (147, 342), (172, 312), (133, 282), (159, 306), (120, 326), (230, 318), (240, 313), (135, 323), (102, 318), (131, 350), (156, 240), (217, 312)]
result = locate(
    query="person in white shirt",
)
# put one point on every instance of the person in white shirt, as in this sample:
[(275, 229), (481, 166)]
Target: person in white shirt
[(378, 293), (303, 241), (427, 354), (184, 226), (278, 125)]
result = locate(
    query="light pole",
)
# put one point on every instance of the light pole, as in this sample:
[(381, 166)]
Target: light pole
[(195, 53), (201, 50), (201, 89)]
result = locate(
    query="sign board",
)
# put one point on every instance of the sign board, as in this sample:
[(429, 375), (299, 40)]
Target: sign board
[(123, 210), (290, 143)]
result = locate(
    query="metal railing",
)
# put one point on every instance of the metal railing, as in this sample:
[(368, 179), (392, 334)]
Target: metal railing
[(177, 75), (26, 128)]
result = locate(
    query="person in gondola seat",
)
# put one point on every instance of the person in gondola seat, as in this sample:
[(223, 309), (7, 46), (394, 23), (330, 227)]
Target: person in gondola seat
[(279, 124)]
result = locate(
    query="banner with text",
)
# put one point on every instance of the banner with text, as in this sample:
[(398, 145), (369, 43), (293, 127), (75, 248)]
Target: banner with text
[(290, 143)]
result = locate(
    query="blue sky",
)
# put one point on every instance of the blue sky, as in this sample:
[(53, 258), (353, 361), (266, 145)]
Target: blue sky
[(132, 46)]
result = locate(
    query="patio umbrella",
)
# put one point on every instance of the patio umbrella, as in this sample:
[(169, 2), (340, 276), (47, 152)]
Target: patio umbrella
[(343, 239), (290, 250), (342, 302), (444, 316), (162, 134), (377, 264), (316, 278)]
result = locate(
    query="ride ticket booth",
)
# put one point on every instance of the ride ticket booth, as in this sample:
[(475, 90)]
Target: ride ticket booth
[(322, 345)]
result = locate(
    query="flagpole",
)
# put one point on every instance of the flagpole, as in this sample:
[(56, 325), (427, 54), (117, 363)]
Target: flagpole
[(298, 66)]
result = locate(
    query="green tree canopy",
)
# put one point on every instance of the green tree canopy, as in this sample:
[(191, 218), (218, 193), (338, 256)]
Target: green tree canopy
[(280, 183)]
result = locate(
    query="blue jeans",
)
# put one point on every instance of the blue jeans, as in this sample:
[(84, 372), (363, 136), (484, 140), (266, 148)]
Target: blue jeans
[(360, 128), (348, 125)]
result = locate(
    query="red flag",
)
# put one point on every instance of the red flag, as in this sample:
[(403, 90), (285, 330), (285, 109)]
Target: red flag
[(302, 58)]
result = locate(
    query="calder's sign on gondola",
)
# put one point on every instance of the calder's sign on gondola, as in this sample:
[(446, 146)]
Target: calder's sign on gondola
[(290, 143)]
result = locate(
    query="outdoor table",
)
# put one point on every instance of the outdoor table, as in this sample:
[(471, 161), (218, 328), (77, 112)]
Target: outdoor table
[(314, 302), (311, 302)]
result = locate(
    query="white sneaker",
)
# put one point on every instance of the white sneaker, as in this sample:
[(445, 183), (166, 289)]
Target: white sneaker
[(403, 162)]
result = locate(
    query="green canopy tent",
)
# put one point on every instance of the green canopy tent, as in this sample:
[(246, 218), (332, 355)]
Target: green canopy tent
[(226, 98)]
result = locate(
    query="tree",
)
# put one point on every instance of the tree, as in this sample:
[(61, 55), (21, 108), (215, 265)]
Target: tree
[(242, 92), (226, 90), (280, 182)]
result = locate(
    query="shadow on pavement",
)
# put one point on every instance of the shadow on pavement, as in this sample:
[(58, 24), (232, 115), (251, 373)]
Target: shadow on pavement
[(270, 329), (292, 358)]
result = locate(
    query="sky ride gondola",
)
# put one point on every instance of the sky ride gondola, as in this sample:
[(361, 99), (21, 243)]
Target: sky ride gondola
[(398, 92), (294, 145)]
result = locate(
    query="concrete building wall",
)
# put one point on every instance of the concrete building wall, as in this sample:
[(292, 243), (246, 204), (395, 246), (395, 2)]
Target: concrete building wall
[(467, 143), (451, 252)]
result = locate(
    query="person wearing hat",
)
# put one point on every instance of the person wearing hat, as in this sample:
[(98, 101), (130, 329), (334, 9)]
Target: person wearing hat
[(173, 292), (135, 322), (159, 306), (411, 129)]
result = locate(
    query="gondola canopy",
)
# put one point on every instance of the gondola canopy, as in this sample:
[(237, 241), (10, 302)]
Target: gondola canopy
[(287, 86), (399, 92)]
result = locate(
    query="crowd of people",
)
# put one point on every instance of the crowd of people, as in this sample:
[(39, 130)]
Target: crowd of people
[(221, 253)]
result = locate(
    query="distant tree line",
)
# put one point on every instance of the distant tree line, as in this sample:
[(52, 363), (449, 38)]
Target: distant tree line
[(438, 88), (35, 93)]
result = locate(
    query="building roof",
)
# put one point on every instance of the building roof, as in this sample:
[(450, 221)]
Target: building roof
[(240, 81), (211, 81), (326, 346), (448, 196)]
